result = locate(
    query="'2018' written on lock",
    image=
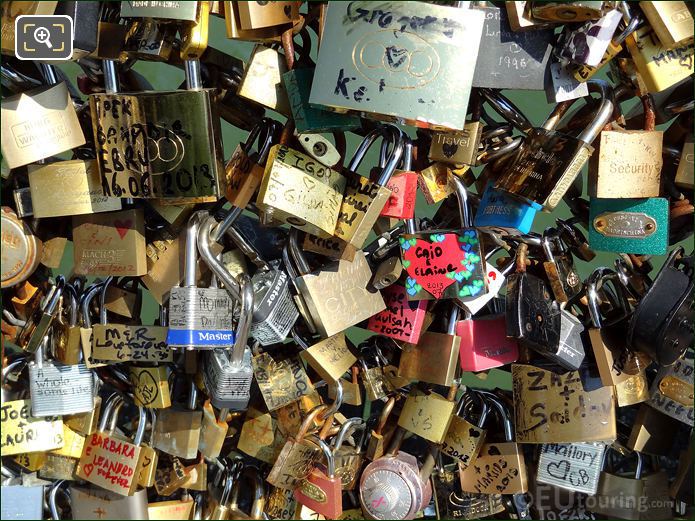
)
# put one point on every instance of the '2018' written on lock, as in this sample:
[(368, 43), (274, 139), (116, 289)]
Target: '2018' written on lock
[(142, 159)]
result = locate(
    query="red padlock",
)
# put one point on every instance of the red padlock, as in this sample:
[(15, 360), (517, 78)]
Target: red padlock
[(402, 319), (322, 491), (484, 343), (403, 186)]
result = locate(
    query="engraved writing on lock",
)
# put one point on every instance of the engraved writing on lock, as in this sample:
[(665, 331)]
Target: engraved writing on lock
[(625, 224)]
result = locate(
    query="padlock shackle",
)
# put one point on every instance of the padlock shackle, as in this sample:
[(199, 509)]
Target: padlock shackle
[(327, 453), (142, 425), (503, 412), (462, 196), (103, 312), (388, 133), (109, 412), (194, 79), (598, 278), (85, 301), (350, 426), (300, 261), (53, 490), (111, 84), (191, 250), (333, 408), (250, 475), (505, 108), (312, 415)]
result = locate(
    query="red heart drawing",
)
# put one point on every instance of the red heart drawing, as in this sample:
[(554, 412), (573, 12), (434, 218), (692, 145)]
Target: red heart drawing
[(88, 468), (429, 262), (123, 226)]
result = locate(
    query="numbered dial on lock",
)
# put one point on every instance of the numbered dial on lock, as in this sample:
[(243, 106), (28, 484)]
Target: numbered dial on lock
[(390, 488)]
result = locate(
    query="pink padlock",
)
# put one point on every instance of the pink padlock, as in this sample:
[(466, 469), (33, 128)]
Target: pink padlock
[(402, 319), (403, 186), (484, 343)]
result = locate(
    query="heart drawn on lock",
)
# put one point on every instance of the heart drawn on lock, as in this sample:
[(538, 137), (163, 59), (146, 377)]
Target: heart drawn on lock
[(87, 469), (123, 226), (430, 261), (559, 469), (449, 149)]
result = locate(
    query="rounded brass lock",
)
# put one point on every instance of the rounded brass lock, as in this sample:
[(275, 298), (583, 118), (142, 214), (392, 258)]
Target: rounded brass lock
[(21, 250)]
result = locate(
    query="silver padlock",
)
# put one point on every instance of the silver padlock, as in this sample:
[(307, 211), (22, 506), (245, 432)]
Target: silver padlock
[(199, 318), (57, 389), (228, 375), (571, 466)]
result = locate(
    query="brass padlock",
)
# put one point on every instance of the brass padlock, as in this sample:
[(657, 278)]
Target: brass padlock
[(427, 415)]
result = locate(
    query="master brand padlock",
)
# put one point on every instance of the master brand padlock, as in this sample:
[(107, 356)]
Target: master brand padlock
[(198, 317)]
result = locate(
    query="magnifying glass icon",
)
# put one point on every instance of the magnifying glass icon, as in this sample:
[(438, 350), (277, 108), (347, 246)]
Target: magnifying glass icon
[(42, 35)]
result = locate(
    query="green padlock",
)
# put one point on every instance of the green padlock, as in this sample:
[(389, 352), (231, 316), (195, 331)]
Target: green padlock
[(629, 225), (308, 119)]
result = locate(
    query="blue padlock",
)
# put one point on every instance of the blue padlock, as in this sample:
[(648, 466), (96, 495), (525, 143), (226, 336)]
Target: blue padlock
[(637, 226), (501, 213)]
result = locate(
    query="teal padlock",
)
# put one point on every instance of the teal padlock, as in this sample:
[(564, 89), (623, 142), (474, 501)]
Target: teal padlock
[(637, 226), (308, 119)]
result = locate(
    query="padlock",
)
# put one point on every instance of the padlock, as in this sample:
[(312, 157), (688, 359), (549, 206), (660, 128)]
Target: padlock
[(387, 89), (244, 170), (562, 275), (228, 375), (330, 357), (671, 390), (296, 459), (148, 39), (402, 185), (42, 317), (558, 414), (149, 457), (41, 123), (500, 213), (198, 317), (258, 15), (614, 490), (402, 319), (570, 11), (511, 60), (58, 389), (262, 80), (394, 486), (10, 14), (638, 177), (363, 199), (249, 475), (349, 460), (97, 503), (484, 342), (672, 22), (213, 431), (185, 12), (617, 365), (434, 182), (321, 491), (22, 501), (21, 252), (659, 67), (309, 119), (639, 226), (520, 19), (427, 415), (417, 359), (110, 243), (235, 31), (684, 174), (300, 191), (282, 381), (336, 295), (661, 323), (532, 317), (549, 161), (445, 264), (459, 147), (175, 509), (464, 438), (104, 453), (274, 311), (500, 466), (571, 466), (80, 192), (378, 437), (158, 156), (177, 431), (218, 508), (150, 386)]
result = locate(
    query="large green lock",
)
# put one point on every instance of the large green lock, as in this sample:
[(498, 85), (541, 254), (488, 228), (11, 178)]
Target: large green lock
[(629, 225)]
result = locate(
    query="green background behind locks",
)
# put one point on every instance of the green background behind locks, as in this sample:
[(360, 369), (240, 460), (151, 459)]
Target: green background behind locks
[(532, 103)]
